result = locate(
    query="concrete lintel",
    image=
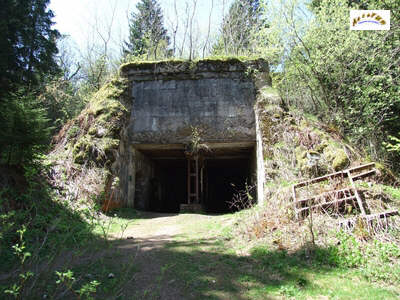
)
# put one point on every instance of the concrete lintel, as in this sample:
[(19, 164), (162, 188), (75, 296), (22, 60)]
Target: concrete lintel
[(230, 145), (183, 76), (158, 146), (218, 157), (212, 145)]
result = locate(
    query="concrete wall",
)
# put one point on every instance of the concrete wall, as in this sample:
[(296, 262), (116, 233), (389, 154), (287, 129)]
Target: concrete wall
[(170, 98), (164, 111), (215, 96)]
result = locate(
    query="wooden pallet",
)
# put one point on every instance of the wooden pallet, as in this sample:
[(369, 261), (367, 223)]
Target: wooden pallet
[(341, 174), (340, 197), (333, 198), (369, 219)]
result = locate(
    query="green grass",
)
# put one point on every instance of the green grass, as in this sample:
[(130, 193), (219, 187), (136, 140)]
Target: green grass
[(206, 261), (393, 192), (117, 222), (203, 263), (210, 268)]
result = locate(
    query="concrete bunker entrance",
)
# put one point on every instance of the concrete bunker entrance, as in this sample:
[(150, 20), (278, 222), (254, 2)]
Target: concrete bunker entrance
[(166, 177)]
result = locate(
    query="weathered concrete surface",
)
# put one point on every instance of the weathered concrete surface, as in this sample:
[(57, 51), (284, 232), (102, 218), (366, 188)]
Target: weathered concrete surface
[(189, 70), (168, 99)]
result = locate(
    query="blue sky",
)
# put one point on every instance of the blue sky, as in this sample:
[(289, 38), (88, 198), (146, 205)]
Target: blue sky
[(85, 20)]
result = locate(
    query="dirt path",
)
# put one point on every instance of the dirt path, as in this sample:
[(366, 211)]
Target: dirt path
[(151, 241), (155, 224)]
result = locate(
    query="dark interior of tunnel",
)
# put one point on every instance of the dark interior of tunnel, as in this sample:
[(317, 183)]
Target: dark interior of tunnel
[(169, 187), (222, 177)]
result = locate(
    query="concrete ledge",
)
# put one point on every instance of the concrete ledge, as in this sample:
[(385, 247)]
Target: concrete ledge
[(227, 145), (191, 208), (183, 69)]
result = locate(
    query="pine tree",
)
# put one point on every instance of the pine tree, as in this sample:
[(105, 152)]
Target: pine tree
[(147, 35), (25, 130), (27, 43), (243, 17), (27, 59)]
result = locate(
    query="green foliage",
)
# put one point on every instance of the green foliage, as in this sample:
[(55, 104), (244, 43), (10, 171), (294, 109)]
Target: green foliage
[(196, 145), (34, 214), (243, 18), (349, 78), (85, 291), (96, 73), (35, 227), (393, 145), (28, 44), (25, 132), (88, 289), (65, 277), (374, 259), (14, 291), (147, 36), (19, 248), (61, 100), (393, 192), (20, 251), (96, 137)]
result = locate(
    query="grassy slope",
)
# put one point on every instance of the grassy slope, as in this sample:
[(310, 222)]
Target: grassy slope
[(263, 272), (207, 260)]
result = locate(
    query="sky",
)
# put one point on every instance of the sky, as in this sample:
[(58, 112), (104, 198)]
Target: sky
[(86, 21)]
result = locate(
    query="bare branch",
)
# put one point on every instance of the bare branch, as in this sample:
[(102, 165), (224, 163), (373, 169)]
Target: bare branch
[(191, 30), (209, 27)]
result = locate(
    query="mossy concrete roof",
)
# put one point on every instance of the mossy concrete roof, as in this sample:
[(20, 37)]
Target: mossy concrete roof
[(184, 69)]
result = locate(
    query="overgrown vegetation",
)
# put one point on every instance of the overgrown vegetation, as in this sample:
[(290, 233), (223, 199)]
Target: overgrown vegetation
[(298, 147), (43, 236), (334, 104), (86, 149), (361, 101)]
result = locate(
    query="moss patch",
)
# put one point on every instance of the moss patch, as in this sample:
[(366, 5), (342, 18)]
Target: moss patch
[(217, 64), (99, 125), (87, 147), (337, 157), (298, 145)]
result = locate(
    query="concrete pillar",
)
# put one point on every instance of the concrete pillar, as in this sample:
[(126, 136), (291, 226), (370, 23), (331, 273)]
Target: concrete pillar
[(260, 161)]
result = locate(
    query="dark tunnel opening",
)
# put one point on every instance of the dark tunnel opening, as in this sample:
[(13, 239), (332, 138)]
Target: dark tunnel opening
[(220, 176), (171, 183), (225, 177)]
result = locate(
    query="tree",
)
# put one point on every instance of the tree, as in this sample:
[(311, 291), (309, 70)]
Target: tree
[(27, 61), (27, 43), (349, 78), (147, 35), (208, 29), (25, 131), (243, 18)]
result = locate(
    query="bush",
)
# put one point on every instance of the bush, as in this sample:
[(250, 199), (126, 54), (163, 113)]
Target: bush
[(25, 130), (349, 78)]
